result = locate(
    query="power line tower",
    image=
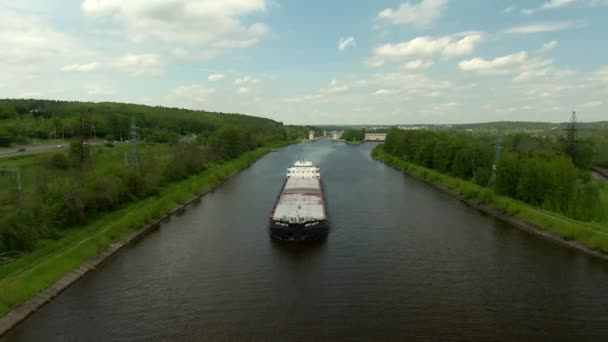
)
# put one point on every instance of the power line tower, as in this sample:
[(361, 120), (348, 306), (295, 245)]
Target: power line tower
[(133, 152), (497, 150), (571, 132)]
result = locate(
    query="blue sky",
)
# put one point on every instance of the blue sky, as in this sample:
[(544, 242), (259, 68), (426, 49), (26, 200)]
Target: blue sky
[(316, 62)]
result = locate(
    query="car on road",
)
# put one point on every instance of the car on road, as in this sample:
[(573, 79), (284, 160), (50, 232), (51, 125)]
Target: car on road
[(21, 150)]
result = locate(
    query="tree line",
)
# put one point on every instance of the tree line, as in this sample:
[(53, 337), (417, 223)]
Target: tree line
[(22, 120), (534, 169), (64, 189), (354, 135)]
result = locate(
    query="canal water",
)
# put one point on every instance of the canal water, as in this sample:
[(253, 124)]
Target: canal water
[(403, 261)]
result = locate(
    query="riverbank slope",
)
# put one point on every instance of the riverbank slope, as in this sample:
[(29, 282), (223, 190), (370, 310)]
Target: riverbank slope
[(58, 263), (591, 238)]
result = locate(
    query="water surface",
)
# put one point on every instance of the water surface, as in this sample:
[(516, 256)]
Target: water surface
[(403, 261)]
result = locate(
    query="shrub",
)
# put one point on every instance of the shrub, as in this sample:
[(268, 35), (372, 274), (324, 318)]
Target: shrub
[(58, 161)]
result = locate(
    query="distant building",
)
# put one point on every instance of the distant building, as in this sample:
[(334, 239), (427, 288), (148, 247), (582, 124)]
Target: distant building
[(311, 135), (375, 136)]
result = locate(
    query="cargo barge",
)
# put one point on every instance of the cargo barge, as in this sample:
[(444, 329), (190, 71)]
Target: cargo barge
[(300, 213)]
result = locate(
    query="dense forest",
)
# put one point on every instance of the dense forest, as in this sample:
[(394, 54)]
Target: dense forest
[(356, 135), (22, 120), (534, 169), (58, 190)]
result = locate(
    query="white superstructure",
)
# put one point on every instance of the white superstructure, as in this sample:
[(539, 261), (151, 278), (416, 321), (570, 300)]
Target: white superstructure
[(301, 200)]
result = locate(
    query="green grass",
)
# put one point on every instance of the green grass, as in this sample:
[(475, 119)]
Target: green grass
[(593, 235), (52, 259)]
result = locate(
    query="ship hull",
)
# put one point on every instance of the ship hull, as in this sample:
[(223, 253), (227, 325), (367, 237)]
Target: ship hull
[(299, 232)]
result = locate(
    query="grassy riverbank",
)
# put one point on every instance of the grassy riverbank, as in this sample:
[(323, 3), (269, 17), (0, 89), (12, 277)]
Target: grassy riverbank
[(53, 258), (593, 235)]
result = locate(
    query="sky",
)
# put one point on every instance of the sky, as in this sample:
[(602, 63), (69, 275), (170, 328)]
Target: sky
[(316, 62)]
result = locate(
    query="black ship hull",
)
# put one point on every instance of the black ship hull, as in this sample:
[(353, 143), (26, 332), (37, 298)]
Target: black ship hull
[(299, 232)]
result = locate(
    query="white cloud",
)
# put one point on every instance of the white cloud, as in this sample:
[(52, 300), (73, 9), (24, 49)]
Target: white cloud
[(194, 22), (509, 9), (549, 5), (423, 13), (26, 38), (600, 75), (447, 46), (520, 64), (243, 90), (97, 90), (335, 86), (418, 64), (556, 4), (592, 104), (215, 77), (540, 27), (442, 107), (140, 64), (246, 80), (497, 66), (410, 83), (549, 46), (386, 92), (89, 67), (30, 95), (345, 43), (191, 93)]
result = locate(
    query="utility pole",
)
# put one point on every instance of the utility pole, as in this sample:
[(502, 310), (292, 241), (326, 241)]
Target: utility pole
[(497, 150), (84, 145), (571, 131), (133, 157)]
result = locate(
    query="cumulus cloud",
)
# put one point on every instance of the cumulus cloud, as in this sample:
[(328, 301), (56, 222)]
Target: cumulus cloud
[(335, 86), (243, 90), (215, 77), (409, 83), (600, 75), (496, 66), (246, 80), (98, 89), (26, 38), (345, 43), (30, 94), (423, 13), (549, 5), (447, 46), (386, 92), (191, 93), (194, 22), (592, 104), (556, 4), (540, 27), (418, 64), (520, 64), (140, 64), (549, 46), (89, 67)]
